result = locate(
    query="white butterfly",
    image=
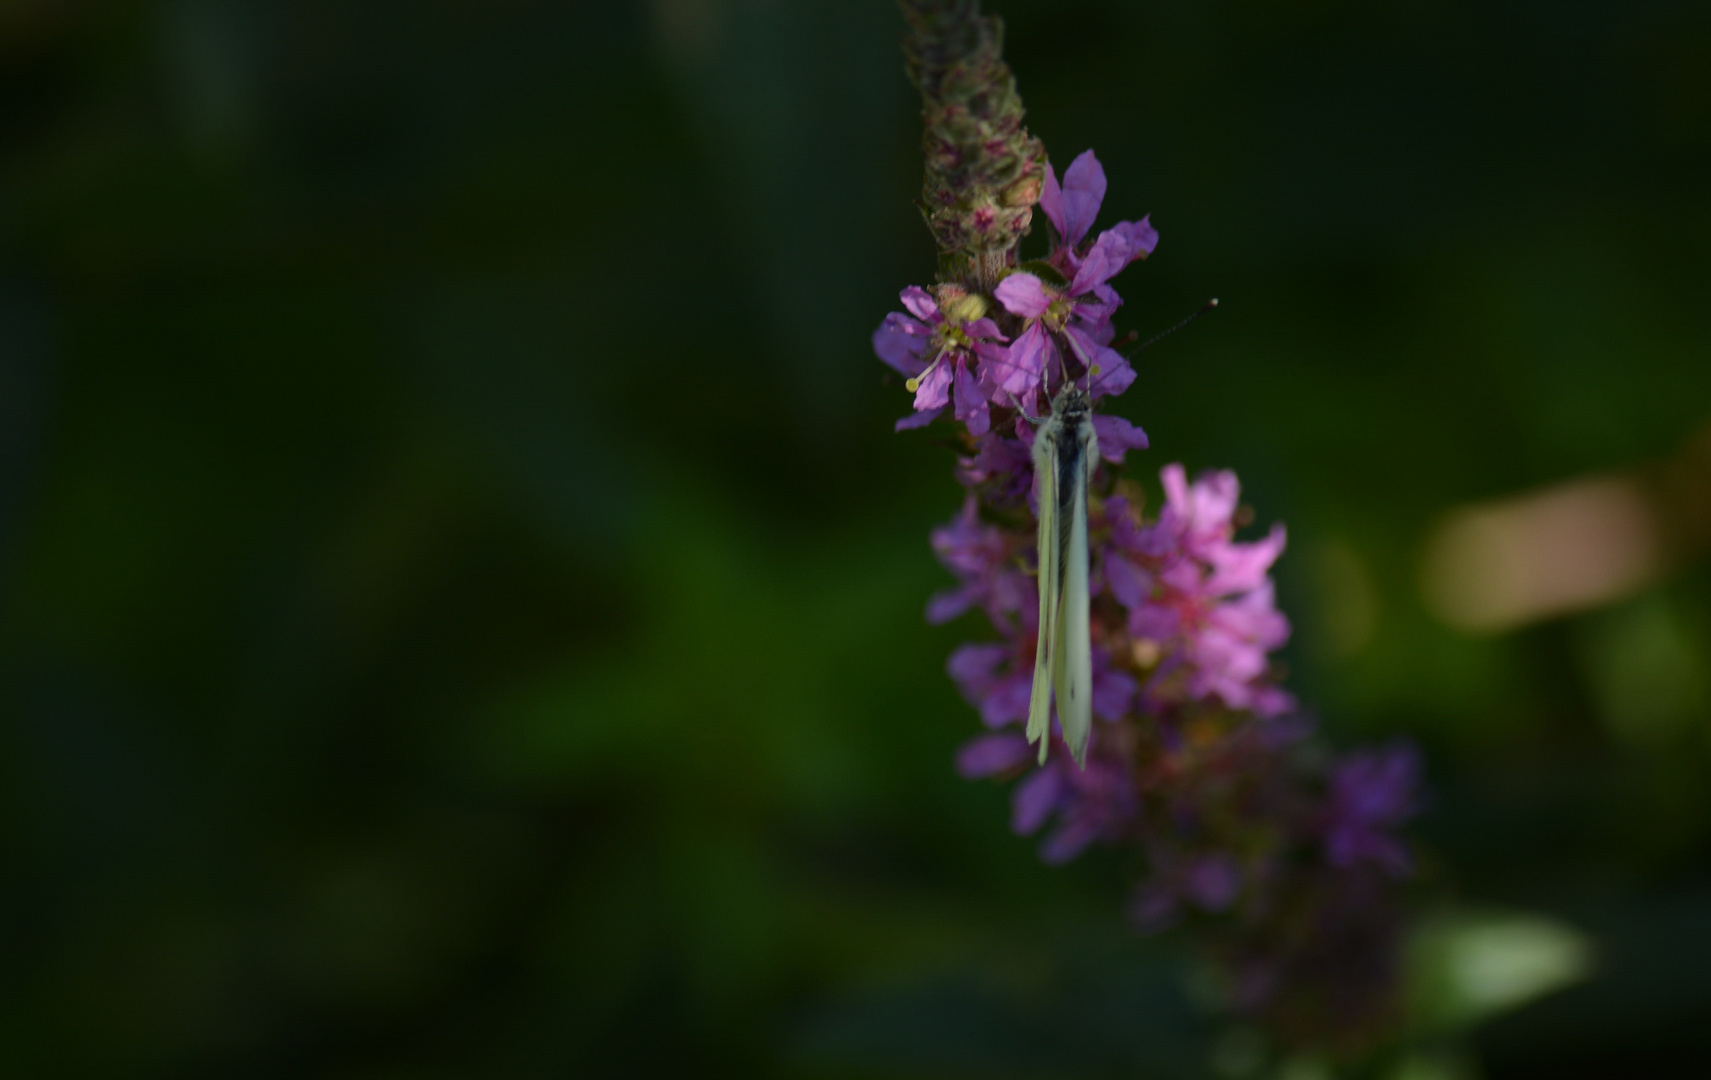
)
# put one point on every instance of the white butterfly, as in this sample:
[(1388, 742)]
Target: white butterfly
[(1066, 451)]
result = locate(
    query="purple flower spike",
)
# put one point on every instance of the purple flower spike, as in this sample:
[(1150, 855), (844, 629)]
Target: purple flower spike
[(1279, 862)]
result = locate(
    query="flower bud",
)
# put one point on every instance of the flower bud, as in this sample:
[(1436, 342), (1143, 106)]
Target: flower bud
[(960, 306)]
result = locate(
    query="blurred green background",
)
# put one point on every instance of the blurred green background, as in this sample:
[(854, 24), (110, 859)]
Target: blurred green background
[(462, 594)]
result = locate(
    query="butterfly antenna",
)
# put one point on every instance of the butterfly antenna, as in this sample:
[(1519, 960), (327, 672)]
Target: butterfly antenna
[(1088, 367), (1156, 338), (1017, 405)]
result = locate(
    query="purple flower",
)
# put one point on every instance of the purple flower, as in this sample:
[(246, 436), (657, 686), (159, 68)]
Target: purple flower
[(1370, 793), (1077, 313), (937, 350), (1074, 310), (1210, 881), (1001, 469), (1229, 646), (1073, 207), (1117, 436), (983, 558), (993, 755), (1204, 599), (996, 678), (1098, 803)]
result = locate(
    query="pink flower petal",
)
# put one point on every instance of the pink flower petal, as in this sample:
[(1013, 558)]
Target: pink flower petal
[(1141, 235), (945, 606), (917, 420), (988, 755), (1129, 584), (1023, 294), (1029, 357), (899, 342), (920, 304), (1109, 255), (1116, 437), (971, 403), (1083, 191), (934, 389), (1033, 800)]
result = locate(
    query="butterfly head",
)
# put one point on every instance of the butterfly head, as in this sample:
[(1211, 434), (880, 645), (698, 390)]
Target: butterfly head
[(1073, 402)]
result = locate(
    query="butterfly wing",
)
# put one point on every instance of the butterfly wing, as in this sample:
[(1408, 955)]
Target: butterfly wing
[(1050, 547), (1072, 662)]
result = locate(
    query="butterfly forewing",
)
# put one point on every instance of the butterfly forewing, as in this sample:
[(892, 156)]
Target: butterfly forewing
[(1049, 542), (1074, 676)]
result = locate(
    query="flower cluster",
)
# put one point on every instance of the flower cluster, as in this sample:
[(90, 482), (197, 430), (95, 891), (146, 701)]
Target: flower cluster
[(1059, 310), (1285, 859)]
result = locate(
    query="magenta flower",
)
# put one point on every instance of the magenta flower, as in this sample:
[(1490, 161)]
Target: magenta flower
[(937, 350), (1117, 436), (1076, 313), (995, 754), (1369, 794), (1001, 469), (983, 557), (1202, 599), (1209, 881), (995, 677), (1095, 804), (1077, 308), (1073, 207)]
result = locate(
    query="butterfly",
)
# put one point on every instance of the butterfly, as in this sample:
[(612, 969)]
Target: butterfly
[(1066, 451)]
